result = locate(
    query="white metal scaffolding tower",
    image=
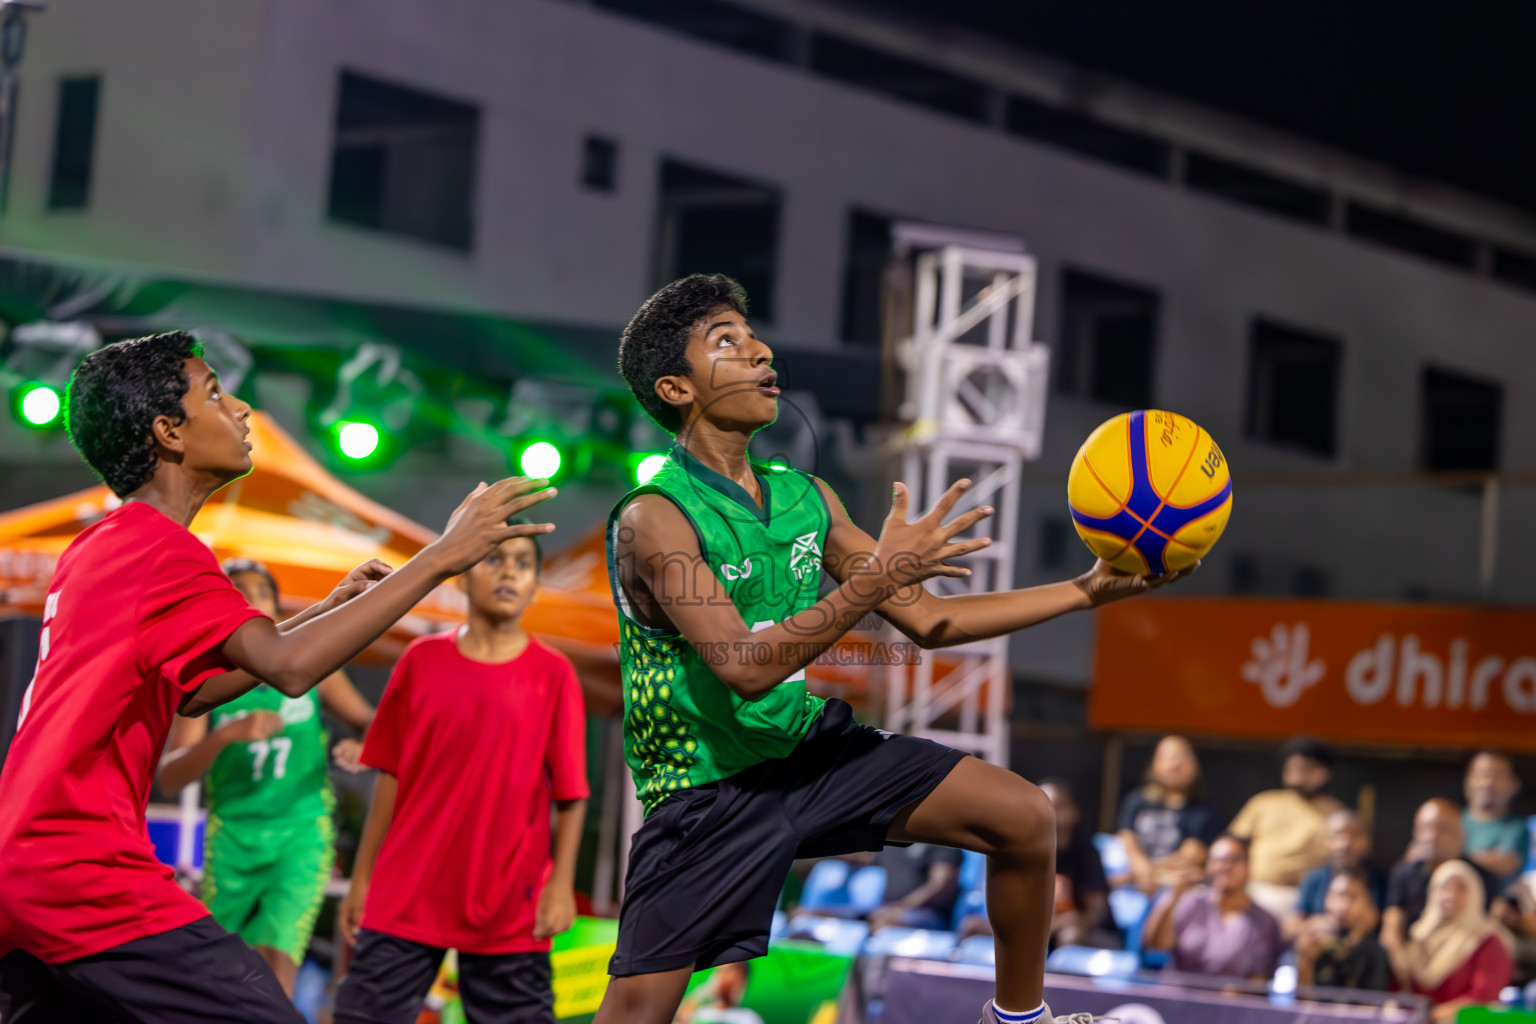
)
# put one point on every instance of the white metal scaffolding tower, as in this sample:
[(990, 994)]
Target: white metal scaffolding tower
[(975, 396)]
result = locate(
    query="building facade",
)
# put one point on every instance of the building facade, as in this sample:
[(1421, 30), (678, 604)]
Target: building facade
[(1341, 331)]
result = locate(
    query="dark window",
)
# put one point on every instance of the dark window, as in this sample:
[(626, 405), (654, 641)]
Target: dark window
[(404, 162), (1253, 187), (869, 251), (1108, 339), (1309, 581), (74, 144), (600, 164), (1244, 570), (899, 77), (715, 224), (1293, 388), (1089, 136), (1516, 268), (1409, 234), (1056, 536), (724, 24), (1460, 425)]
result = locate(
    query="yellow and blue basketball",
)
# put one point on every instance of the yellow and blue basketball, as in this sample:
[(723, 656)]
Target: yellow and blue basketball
[(1149, 492)]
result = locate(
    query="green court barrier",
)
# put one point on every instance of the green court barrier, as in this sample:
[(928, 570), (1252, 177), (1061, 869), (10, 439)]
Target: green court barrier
[(796, 983)]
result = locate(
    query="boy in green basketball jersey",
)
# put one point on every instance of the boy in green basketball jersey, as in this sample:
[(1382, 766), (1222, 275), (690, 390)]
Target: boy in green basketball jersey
[(270, 841), (716, 562)]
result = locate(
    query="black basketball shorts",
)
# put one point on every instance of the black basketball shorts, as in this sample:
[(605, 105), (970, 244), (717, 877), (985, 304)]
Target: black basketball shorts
[(196, 974), (707, 867)]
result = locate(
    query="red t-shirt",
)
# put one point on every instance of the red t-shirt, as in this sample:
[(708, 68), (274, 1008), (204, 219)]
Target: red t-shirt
[(134, 620), (480, 751), (1480, 979)]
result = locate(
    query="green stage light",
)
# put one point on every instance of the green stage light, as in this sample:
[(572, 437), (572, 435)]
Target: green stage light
[(357, 440), (540, 461), (39, 405), (647, 467)]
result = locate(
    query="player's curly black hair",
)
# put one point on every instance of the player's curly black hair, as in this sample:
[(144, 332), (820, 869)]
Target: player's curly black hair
[(655, 343), (232, 566), (114, 397)]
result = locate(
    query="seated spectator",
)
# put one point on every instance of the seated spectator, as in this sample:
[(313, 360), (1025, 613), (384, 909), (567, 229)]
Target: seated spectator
[(1082, 894), (1338, 948), (1165, 825), (1437, 839), (1216, 928), (1517, 912), (1349, 849), (1498, 840), (1288, 827), (922, 884), (1455, 954)]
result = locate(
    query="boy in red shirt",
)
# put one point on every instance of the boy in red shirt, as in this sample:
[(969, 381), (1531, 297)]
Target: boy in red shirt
[(479, 731), (139, 624)]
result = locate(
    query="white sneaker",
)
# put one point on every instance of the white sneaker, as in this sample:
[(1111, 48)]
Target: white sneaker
[(989, 1016)]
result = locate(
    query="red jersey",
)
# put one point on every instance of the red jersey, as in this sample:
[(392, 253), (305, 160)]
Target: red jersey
[(480, 751), (134, 620)]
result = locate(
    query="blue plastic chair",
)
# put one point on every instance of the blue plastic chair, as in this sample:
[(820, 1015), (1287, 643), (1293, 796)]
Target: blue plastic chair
[(1129, 907), (977, 949), (921, 943), (973, 888), (1112, 853), (826, 885), (839, 936), (1095, 963), (866, 888)]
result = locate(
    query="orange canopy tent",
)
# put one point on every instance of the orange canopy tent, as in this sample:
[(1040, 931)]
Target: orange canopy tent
[(311, 529)]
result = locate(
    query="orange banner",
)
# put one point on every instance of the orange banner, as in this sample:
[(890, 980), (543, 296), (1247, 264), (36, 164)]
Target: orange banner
[(1367, 673)]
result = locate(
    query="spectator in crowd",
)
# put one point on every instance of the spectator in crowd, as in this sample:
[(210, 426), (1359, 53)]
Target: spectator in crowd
[(1349, 849), (1216, 928), (1288, 827), (1082, 893), (1517, 912), (1164, 824), (1497, 839), (1338, 948), (1455, 954), (1437, 839), (922, 884)]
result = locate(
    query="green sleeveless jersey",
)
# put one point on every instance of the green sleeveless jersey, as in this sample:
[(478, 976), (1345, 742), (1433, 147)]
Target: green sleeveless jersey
[(280, 778), (683, 727)]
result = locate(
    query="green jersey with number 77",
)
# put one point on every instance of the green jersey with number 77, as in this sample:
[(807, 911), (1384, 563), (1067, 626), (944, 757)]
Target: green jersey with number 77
[(281, 778)]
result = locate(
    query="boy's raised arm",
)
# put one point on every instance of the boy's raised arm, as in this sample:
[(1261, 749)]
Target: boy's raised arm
[(294, 661), (931, 620)]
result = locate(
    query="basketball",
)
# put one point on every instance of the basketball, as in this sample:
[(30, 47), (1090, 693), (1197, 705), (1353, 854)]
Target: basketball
[(1149, 492)]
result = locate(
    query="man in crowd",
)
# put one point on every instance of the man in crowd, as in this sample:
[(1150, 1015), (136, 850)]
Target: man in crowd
[(1215, 928), (1438, 836), (922, 883), (1498, 840), (1338, 948), (1349, 850), (1287, 827)]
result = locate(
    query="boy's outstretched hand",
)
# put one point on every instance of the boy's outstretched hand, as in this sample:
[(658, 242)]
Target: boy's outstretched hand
[(1104, 583), (556, 911), (356, 582), (913, 552), (480, 521)]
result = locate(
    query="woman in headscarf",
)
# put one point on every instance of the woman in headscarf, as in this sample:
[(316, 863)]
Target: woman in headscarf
[(1456, 954)]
